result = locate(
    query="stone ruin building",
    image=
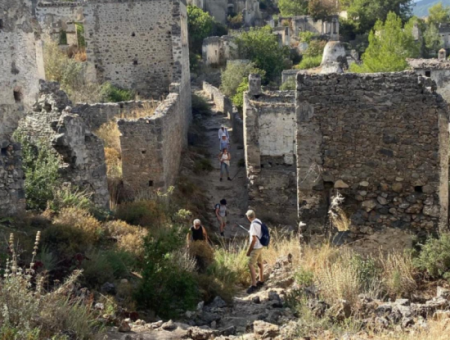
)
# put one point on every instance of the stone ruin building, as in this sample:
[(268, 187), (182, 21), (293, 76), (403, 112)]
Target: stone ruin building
[(381, 140), (269, 140), (149, 56), (437, 70), (216, 51), (221, 9)]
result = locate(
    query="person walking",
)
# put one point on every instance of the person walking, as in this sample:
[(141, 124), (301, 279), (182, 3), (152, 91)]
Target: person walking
[(197, 233), (225, 158), (224, 143), (223, 132), (255, 251), (221, 214)]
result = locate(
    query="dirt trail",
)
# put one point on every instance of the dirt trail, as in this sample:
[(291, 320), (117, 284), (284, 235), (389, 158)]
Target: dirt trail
[(235, 191)]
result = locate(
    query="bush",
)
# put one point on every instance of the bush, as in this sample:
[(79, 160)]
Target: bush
[(289, 84), (165, 286), (65, 241), (434, 257), (398, 275), (235, 21), (68, 197), (83, 220), (145, 213), (367, 271), (315, 48), (200, 106), (309, 62), (202, 165), (233, 75), (40, 166), (307, 36), (29, 312), (230, 266), (114, 94), (238, 98), (129, 238), (304, 277)]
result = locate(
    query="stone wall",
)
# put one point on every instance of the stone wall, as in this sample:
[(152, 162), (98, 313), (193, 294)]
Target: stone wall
[(305, 23), (225, 105), (381, 140), (80, 151), (437, 70), (269, 141), (217, 50), (95, 115)]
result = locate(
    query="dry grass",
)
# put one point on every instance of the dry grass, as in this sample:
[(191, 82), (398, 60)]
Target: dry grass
[(129, 238), (80, 219), (398, 274), (436, 330), (337, 215)]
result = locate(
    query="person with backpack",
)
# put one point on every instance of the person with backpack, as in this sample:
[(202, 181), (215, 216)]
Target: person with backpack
[(259, 238), (221, 214)]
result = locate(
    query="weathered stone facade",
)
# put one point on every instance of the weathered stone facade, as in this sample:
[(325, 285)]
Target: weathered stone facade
[(216, 51), (381, 140), (437, 70), (269, 140), (81, 152), (138, 56)]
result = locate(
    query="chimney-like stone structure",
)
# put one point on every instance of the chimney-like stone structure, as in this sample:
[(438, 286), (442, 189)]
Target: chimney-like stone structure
[(254, 84), (442, 54)]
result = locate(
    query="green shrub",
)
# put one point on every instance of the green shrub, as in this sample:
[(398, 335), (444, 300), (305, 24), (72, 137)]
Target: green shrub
[(65, 241), (307, 36), (315, 48), (69, 197), (146, 213), (235, 21), (40, 166), (233, 75), (304, 277), (200, 106), (106, 266), (202, 165), (367, 270), (289, 84), (115, 94), (309, 62), (165, 286), (238, 98), (80, 35), (434, 257)]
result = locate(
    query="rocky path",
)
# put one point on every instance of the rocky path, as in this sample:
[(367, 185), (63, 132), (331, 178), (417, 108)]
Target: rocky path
[(235, 191)]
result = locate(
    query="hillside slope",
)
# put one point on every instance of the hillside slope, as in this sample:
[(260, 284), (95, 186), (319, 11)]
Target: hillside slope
[(421, 7)]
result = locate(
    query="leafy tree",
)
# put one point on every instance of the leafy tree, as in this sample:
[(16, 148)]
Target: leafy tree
[(293, 7), (262, 48), (238, 95), (432, 40), (200, 26), (438, 14), (307, 36), (363, 14), (234, 73), (322, 9), (389, 46)]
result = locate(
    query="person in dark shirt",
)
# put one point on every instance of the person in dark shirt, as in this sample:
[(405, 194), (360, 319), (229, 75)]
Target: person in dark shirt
[(197, 233)]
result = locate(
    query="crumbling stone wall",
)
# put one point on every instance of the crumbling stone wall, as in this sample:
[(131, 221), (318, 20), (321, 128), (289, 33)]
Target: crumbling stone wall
[(269, 141), (221, 9), (217, 50), (381, 140), (20, 69), (81, 152)]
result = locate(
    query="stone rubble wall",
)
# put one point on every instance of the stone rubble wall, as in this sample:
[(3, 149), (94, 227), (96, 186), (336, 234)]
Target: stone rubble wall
[(269, 142), (95, 115), (81, 152), (225, 105), (381, 140)]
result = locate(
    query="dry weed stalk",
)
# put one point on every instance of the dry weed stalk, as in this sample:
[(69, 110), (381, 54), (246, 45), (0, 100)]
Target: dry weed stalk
[(337, 215), (398, 274)]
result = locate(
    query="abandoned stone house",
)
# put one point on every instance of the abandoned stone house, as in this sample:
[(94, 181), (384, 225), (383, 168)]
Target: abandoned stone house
[(140, 45), (437, 69), (221, 9), (381, 140), (216, 51)]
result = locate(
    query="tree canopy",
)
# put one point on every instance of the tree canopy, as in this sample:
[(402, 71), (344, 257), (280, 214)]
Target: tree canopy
[(438, 14), (363, 14), (389, 45), (293, 7), (262, 48)]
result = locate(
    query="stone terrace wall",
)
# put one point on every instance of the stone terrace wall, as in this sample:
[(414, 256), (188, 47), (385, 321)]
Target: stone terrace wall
[(95, 115), (269, 141), (382, 141), (224, 104)]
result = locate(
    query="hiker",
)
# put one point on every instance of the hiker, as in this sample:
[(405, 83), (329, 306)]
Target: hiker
[(221, 214), (224, 143), (224, 158), (197, 233), (254, 251), (223, 131)]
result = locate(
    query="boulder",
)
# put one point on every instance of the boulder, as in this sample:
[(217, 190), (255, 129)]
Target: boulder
[(265, 330)]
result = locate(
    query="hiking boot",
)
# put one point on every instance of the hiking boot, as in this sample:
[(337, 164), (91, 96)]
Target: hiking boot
[(222, 234), (229, 178), (259, 284), (252, 289), (221, 179)]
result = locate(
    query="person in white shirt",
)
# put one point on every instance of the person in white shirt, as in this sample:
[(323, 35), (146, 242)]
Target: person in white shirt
[(255, 252), (223, 132)]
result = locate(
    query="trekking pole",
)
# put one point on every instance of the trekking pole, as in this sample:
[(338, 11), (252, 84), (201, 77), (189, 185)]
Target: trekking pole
[(236, 173), (243, 228)]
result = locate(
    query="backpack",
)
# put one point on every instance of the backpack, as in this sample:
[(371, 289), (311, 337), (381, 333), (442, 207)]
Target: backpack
[(265, 235)]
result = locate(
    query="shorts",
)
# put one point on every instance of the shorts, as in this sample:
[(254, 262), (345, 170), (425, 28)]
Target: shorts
[(256, 257), (223, 219)]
